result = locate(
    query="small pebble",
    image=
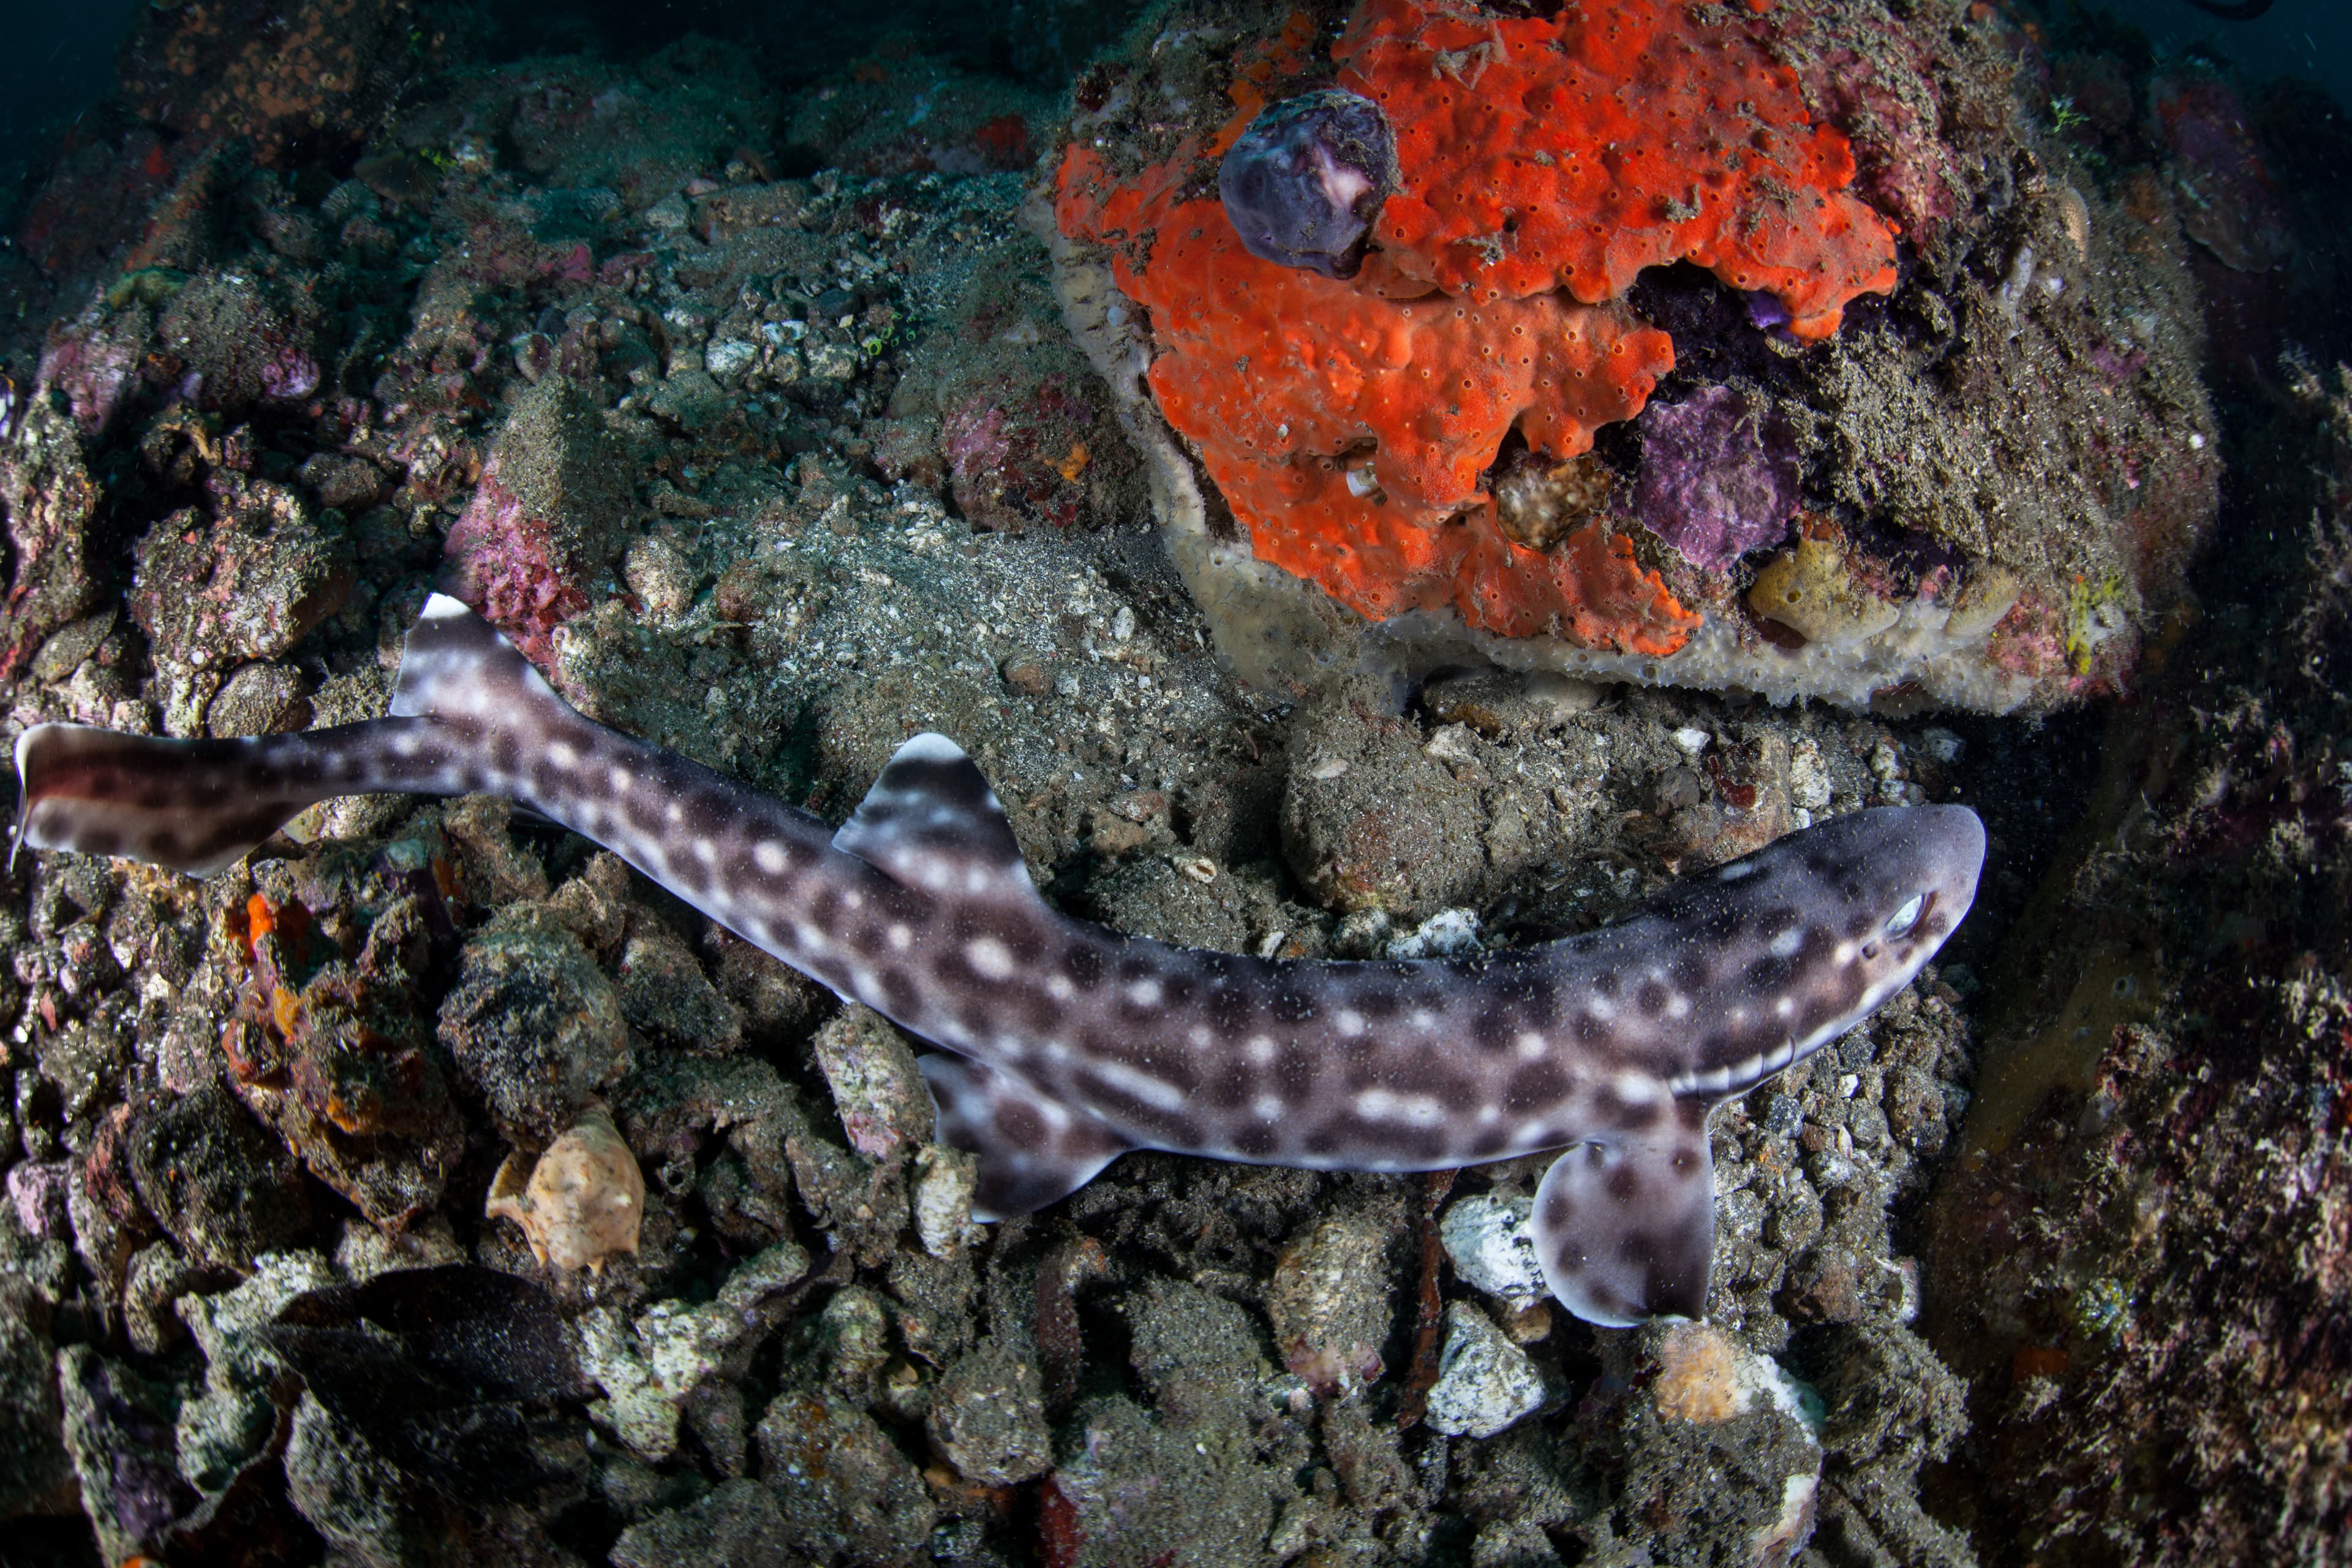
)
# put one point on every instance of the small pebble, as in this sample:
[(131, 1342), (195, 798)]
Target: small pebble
[(1485, 1383)]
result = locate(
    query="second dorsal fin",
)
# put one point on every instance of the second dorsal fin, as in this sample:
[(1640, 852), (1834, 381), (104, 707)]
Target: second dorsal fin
[(931, 822)]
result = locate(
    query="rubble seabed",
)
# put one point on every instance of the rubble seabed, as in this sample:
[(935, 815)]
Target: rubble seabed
[(778, 471)]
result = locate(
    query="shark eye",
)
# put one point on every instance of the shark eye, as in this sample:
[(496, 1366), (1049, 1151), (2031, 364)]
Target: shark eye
[(1900, 922)]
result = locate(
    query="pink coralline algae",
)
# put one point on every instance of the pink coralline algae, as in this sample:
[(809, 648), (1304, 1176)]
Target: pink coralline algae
[(547, 517), (509, 569), (1011, 464), (91, 362), (1720, 476)]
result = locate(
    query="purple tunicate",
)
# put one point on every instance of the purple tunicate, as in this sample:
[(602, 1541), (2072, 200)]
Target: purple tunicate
[(1305, 183), (1765, 312), (1720, 476)]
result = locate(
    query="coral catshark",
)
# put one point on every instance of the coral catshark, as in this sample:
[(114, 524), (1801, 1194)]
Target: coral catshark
[(1071, 1043)]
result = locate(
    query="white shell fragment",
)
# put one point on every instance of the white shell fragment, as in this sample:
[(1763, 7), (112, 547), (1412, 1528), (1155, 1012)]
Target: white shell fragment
[(1485, 1383), (1491, 1241), (582, 1202)]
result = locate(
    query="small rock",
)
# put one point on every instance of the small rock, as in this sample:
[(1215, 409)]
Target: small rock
[(1330, 1297), (69, 646), (878, 1090), (988, 1417), (1448, 933), (1452, 743), (351, 1494), (35, 1471), (1690, 740), (584, 1202), (365, 1251), (248, 585), (728, 358), (157, 1279), (739, 1525), (37, 1190), (1491, 1240), (533, 1026), (1027, 678), (1485, 1383), (660, 575), (650, 1366), (118, 1427), (944, 1182), (227, 1424), (845, 1487), (690, 400), (594, 905), (258, 700), (667, 998), (225, 1191), (348, 483), (1559, 697)]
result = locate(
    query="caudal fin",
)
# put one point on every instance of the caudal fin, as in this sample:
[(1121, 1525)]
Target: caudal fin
[(192, 806), (201, 805)]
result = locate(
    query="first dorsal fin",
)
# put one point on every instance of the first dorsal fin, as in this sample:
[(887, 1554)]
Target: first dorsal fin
[(931, 822), (456, 665)]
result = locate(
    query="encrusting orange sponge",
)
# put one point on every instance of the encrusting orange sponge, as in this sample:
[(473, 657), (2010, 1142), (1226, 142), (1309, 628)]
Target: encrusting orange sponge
[(1545, 161)]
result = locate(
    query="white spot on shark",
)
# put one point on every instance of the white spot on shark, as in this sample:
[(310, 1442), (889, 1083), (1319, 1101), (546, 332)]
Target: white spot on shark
[(1348, 1022), (1155, 1093), (1788, 943), (770, 857), (989, 957), (1636, 1088), (1412, 1109), (1144, 992), (1269, 1107), (1530, 1045), (900, 936)]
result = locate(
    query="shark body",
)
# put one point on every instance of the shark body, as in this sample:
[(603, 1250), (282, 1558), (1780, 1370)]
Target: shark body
[(1065, 1044)]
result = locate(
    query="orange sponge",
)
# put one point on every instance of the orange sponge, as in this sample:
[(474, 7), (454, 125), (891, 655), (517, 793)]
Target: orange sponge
[(1350, 424)]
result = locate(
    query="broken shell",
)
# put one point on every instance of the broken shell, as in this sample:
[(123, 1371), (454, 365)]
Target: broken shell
[(583, 1200)]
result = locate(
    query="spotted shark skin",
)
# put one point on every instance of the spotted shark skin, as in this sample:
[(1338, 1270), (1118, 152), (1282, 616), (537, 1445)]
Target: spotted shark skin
[(1065, 1044)]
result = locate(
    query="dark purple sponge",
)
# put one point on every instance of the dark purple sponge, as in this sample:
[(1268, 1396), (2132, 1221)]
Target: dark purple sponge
[(1306, 181)]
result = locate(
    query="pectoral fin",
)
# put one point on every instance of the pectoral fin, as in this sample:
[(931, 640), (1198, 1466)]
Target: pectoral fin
[(1625, 1228), (1032, 1150)]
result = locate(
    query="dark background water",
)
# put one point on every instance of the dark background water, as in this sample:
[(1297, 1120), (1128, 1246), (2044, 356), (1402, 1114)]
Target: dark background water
[(56, 60)]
